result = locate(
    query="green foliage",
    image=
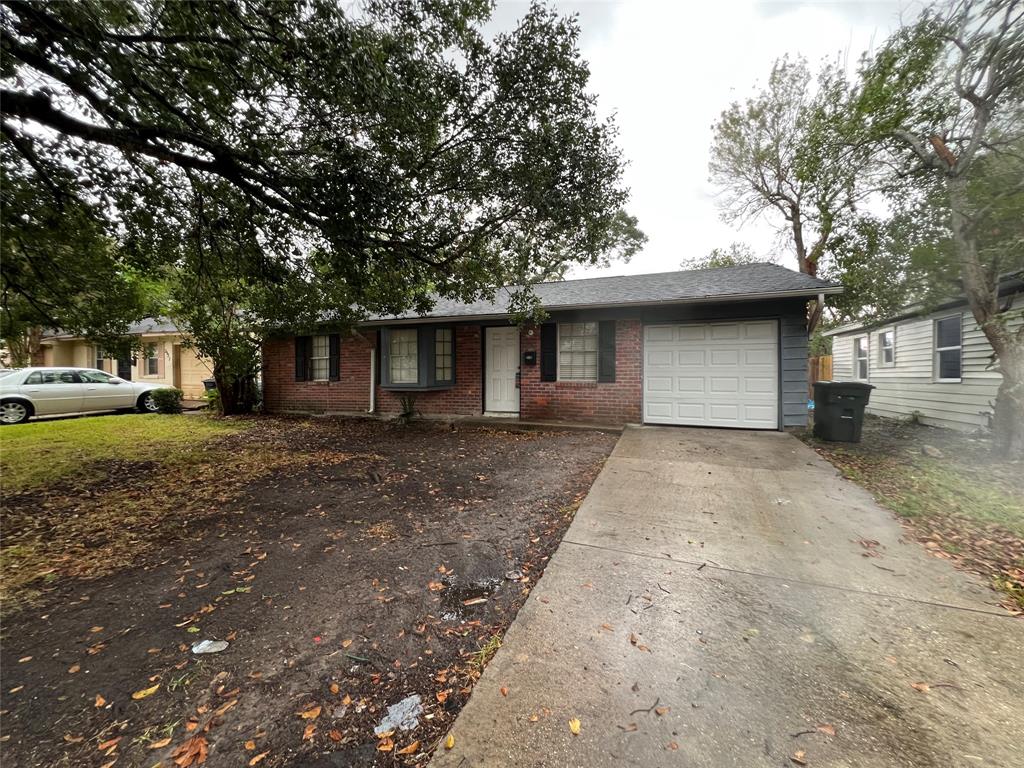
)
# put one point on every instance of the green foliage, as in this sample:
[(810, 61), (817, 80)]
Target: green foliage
[(167, 400), (734, 255), (212, 398), (381, 157)]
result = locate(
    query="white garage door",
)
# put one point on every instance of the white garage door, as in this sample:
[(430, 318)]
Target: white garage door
[(712, 374)]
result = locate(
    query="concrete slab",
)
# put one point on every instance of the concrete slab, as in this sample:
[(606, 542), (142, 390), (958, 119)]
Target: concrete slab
[(721, 574)]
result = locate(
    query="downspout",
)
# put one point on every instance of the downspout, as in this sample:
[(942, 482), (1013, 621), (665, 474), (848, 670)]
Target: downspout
[(373, 382)]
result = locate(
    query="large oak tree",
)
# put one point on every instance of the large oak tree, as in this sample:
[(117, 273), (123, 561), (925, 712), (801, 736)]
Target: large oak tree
[(389, 149)]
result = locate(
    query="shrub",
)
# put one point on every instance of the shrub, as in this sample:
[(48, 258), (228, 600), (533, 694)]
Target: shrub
[(167, 399), (212, 398)]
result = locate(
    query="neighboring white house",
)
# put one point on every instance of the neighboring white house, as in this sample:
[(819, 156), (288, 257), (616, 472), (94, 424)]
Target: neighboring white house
[(937, 364)]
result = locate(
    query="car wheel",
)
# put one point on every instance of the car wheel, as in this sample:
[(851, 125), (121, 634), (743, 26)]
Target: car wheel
[(14, 412), (146, 403)]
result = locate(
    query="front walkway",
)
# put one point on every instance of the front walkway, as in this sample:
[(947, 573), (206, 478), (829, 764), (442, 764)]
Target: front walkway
[(724, 598)]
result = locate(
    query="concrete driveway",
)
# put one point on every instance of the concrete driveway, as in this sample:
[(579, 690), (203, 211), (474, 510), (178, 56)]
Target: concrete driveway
[(769, 610)]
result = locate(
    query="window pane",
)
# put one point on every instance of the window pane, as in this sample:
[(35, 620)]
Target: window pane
[(947, 332), (862, 347), (404, 365), (51, 377), (949, 364), (320, 360), (577, 351), (94, 377), (443, 354), (862, 368)]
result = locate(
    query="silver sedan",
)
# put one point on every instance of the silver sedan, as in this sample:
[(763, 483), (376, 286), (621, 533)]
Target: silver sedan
[(29, 392)]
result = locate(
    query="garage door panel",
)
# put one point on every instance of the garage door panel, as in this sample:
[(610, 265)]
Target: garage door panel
[(712, 374)]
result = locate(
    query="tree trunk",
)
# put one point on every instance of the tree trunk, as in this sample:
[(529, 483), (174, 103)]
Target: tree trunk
[(237, 393), (982, 291)]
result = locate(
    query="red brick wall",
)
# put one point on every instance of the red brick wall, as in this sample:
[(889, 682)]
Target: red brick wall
[(281, 392), (612, 403), (615, 402)]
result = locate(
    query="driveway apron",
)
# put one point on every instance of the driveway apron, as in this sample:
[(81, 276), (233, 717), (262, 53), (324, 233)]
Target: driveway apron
[(725, 598)]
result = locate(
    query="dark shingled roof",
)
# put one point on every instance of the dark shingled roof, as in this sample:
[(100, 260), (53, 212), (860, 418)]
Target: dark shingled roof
[(691, 286), (147, 325)]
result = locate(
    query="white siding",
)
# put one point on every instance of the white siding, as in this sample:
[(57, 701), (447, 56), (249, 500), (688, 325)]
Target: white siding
[(909, 385)]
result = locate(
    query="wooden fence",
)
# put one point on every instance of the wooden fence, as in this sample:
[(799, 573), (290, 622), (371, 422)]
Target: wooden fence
[(818, 369)]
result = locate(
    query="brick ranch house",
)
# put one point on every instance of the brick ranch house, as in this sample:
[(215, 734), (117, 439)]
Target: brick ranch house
[(722, 347)]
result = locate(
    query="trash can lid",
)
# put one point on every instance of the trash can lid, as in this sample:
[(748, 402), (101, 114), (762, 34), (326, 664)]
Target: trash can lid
[(844, 385)]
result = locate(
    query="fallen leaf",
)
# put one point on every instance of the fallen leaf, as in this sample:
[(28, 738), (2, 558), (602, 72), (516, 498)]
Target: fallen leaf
[(661, 710), (574, 726), (73, 739), (409, 749), (347, 700), (435, 586), (307, 734), (160, 744), (261, 755), (798, 757), (449, 741), (100, 701), (922, 687), (23, 659), (250, 745), (504, 690), (145, 692), (474, 601), (335, 735), (441, 696), (191, 752), (73, 668), (335, 689), (346, 643), (311, 714), (221, 710), (826, 728), (108, 744), (96, 629), (386, 745)]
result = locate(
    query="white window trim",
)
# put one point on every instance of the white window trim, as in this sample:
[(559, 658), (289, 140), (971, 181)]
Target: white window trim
[(558, 353), (882, 362), (313, 357), (866, 359), (936, 349)]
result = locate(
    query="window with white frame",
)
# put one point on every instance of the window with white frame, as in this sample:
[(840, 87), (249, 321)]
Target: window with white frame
[(860, 358), (320, 360), (577, 351), (100, 356), (948, 348), (442, 355), (152, 359), (887, 348), (403, 353)]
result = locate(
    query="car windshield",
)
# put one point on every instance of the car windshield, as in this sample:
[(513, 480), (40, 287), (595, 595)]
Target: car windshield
[(10, 372)]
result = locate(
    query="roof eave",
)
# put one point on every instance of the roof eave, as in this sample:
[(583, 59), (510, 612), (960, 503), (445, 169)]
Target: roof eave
[(720, 298)]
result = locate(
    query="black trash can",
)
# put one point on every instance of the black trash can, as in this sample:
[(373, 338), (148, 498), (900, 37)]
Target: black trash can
[(210, 384), (839, 410)]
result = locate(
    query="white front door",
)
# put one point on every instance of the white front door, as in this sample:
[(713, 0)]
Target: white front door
[(712, 374), (501, 352)]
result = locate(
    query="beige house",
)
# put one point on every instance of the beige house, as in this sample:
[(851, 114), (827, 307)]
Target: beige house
[(164, 357)]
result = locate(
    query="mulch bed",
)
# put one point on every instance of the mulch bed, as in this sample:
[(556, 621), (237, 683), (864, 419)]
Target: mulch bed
[(891, 452), (366, 563)]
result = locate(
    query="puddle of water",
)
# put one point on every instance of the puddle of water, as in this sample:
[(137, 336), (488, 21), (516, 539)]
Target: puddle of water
[(453, 602)]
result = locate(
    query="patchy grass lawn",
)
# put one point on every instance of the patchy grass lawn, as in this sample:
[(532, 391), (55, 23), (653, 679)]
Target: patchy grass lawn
[(43, 452), (348, 563), (956, 496)]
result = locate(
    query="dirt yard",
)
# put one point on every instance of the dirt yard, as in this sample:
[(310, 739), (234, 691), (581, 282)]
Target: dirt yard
[(954, 492), (349, 564)]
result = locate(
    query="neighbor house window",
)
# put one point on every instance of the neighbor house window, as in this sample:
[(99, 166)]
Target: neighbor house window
[(887, 347), (577, 351), (403, 350), (320, 360), (101, 358), (152, 361), (948, 348), (443, 354), (860, 358)]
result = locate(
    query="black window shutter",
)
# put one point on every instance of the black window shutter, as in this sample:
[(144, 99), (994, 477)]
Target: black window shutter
[(606, 351), (302, 356), (548, 352), (335, 361)]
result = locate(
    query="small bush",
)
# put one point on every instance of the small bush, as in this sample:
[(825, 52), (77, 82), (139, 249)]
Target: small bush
[(167, 399), (212, 398)]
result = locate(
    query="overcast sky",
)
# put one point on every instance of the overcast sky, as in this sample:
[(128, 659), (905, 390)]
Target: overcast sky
[(667, 69)]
